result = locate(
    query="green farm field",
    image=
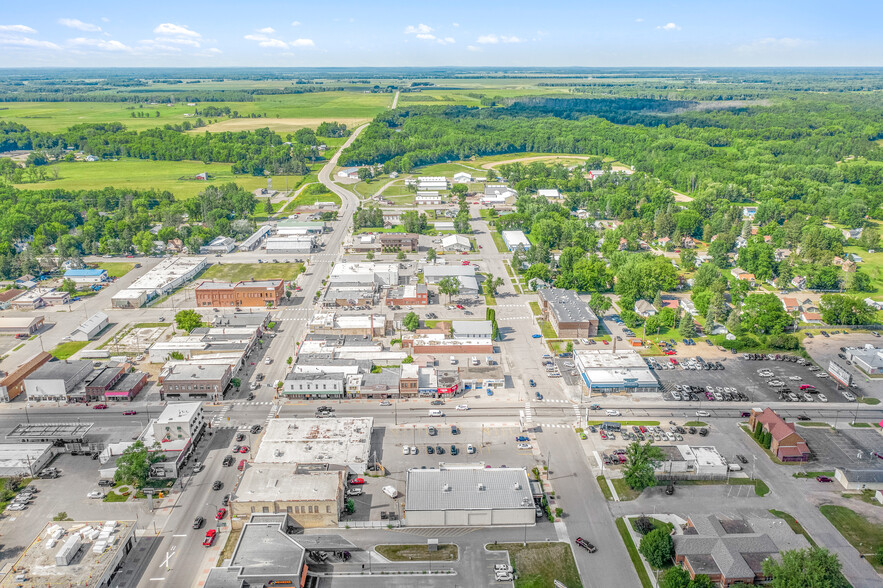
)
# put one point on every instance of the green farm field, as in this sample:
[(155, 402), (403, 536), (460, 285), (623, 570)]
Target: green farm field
[(283, 113), (143, 174)]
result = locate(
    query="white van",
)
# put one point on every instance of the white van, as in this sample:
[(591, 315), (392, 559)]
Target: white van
[(453, 360), (734, 467), (390, 491), (611, 412), (475, 361), (470, 448), (436, 413)]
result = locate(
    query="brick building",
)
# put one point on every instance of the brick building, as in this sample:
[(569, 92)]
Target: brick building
[(569, 316), (411, 295), (254, 293), (398, 241), (186, 381), (786, 444)]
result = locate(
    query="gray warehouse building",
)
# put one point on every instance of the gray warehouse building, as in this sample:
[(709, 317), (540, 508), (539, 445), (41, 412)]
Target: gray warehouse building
[(468, 496)]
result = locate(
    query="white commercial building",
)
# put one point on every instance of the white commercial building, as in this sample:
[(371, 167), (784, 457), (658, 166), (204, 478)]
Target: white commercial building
[(256, 239), (515, 239), (90, 327), (468, 496), (688, 462), (169, 274), (549, 193), (291, 244), (24, 459), (609, 371), (129, 299), (219, 245), (465, 274), (472, 329), (432, 183), (375, 274), (456, 243), (337, 441), (428, 197), (462, 178), (54, 380), (869, 359), (179, 420)]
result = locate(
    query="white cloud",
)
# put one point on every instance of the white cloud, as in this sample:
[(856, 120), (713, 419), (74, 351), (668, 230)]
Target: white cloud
[(267, 30), (455, 24), (74, 23), (639, 20), (772, 43), (473, 48), (447, 40), (295, 23), (420, 29), (426, 36), (105, 19), (16, 29), (494, 39), (669, 27), (28, 42), (214, 50), (302, 43), (107, 45), (265, 41), (173, 30)]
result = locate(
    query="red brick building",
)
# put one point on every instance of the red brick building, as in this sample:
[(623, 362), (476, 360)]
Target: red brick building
[(260, 293), (786, 444), (416, 295)]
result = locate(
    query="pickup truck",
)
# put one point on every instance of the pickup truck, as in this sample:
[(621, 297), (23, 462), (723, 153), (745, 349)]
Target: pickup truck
[(586, 545)]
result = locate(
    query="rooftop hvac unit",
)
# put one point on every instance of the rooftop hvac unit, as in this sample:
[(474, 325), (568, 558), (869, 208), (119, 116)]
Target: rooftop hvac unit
[(481, 487), (446, 488), (517, 486)]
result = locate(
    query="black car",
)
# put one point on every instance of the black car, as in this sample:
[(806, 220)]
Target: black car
[(703, 431), (432, 431), (802, 417), (825, 334), (240, 437), (455, 430), (228, 461), (198, 522), (439, 449), (255, 429), (670, 489), (217, 485), (430, 450), (586, 545), (454, 450), (226, 500), (692, 430), (437, 403), (742, 458), (250, 397)]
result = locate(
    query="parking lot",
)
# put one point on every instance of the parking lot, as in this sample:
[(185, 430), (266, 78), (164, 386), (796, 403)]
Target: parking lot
[(742, 375), (494, 446), (844, 448)]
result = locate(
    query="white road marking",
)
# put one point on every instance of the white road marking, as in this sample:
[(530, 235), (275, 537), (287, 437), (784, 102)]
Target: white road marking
[(157, 579), (179, 535)]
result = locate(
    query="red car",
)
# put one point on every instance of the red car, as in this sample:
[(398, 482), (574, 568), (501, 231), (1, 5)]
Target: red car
[(99, 407), (807, 387), (209, 537), (243, 449), (823, 479), (603, 434), (460, 307), (465, 261), (357, 481), (643, 429), (241, 465), (669, 352), (222, 512), (130, 412), (604, 341), (673, 361), (465, 253)]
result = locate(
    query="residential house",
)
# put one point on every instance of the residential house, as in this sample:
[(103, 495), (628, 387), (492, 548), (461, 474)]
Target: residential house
[(741, 274), (552, 194), (799, 282), (813, 318), (688, 306), (786, 444), (645, 309), (790, 304), (852, 233), (7, 296), (741, 242)]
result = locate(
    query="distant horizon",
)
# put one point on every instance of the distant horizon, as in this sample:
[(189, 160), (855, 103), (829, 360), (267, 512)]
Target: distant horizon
[(476, 68)]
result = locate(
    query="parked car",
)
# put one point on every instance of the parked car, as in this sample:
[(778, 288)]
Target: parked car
[(524, 446), (222, 512), (354, 492), (217, 485), (209, 537), (357, 481), (586, 545), (198, 522)]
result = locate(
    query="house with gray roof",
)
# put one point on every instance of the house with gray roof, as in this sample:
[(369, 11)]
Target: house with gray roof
[(730, 551)]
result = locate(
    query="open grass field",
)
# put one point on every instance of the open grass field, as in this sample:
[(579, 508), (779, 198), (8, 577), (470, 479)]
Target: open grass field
[(116, 269), (285, 113), (143, 174), (65, 350), (418, 552), (872, 264), (861, 533), (234, 272), (538, 565)]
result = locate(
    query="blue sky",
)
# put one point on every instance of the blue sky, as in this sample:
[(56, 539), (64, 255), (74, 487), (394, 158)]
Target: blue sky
[(422, 33)]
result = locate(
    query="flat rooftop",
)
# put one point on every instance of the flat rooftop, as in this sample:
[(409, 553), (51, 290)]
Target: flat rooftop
[(269, 482), (21, 455), (607, 359), (468, 489), (178, 412), (23, 432), (166, 272), (567, 306), (18, 322), (87, 568), (338, 441)]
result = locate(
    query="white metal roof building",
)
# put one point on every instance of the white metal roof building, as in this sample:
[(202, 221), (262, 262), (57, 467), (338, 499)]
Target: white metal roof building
[(25, 459), (168, 275), (468, 496), (515, 239), (90, 327), (455, 243), (337, 441), (374, 274), (623, 370), (256, 239)]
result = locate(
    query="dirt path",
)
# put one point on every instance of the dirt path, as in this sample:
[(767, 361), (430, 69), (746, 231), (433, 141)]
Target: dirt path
[(494, 164), (681, 197), (395, 101)]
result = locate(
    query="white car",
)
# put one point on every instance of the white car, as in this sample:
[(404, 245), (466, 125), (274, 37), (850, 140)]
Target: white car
[(16, 506), (95, 494), (385, 403), (268, 361), (462, 407), (822, 398), (795, 378), (504, 568), (470, 448), (822, 375), (406, 450), (703, 413), (354, 492), (524, 446), (503, 577), (413, 450)]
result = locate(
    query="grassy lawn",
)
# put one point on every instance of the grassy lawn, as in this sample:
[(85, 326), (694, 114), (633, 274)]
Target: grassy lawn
[(490, 300), (116, 269), (418, 552), (535, 308), (605, 489), (630, 546), (498, 241), (144, 174), (760, 487), (861, 425), (695, 424), (65, 350), (626, 423), (234, 272), (150, 325), (812, 424), (872, 264), (869, 400), (657, 524), (625, 493), (795, 526), (865, 536), (375, 230), (538, 565), (812, 475), (114, 497), (547, 330), (866, 496), (17, 347), (230, 545)]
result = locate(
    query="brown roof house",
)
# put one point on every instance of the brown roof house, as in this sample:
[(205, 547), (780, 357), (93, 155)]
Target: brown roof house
[(786, 444), (730, 551)]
